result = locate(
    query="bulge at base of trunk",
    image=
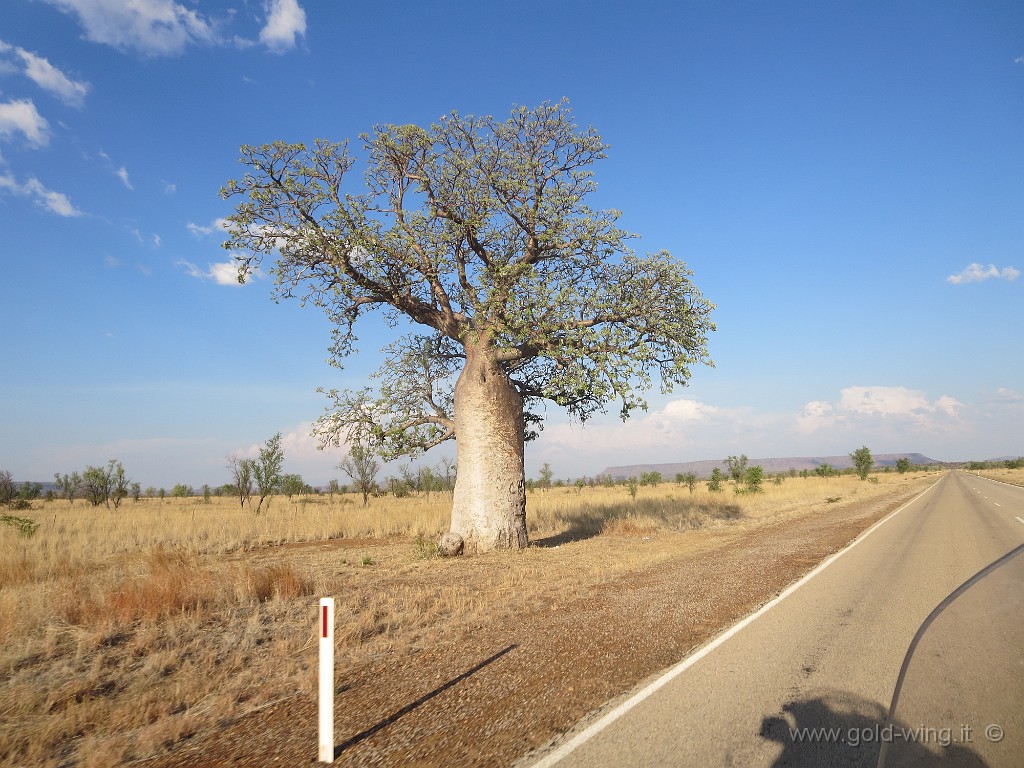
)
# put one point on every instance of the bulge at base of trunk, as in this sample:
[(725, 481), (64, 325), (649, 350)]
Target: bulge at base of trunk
[(489, 505)]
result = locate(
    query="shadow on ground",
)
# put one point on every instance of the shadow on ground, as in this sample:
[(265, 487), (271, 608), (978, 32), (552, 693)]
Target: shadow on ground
[(638, 517), (839, 729), (396, 716)]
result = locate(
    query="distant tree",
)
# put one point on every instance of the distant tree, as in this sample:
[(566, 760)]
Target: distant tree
[(545, 475), (30, 491), (631, 487), (150, 492), (753, 479), (689, 479), (7, 488), (333, 487), (362, 466), (862, 461), (181, 491), (241, 476), (292, 485), (902, 465), (737, 466), (119, 483), (68, 485), (651, 478), (206, 493), (103, 485), (266, 469), (716, 479), (1015, 463), (162, 494), (136, 491), (824, 470), (448, 469)]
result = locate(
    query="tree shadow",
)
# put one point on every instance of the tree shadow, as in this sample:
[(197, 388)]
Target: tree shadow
[(397, 715), (840, 729), (586, 525), (651, 514)]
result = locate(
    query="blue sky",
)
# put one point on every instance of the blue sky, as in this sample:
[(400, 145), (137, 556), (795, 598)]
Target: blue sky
[(846, 181)]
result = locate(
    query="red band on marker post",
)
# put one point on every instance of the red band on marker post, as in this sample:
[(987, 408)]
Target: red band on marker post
[(323, 624)]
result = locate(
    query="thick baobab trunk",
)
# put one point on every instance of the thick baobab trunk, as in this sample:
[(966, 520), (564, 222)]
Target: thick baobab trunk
[(489, 507)]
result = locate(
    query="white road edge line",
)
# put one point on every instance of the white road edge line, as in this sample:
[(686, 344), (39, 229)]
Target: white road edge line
[(1019, 520), (595, 728)]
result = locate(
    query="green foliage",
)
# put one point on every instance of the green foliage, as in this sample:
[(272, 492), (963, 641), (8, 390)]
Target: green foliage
[(902, 465), (105, 485), (651, 478), (824, 470), (737, 466), (716, 480), (753, 479), (181, 491), (478, 230), (293, 485), (862, 462), (425, 548), (25, 526), (631, 487), (136, 491), (266, 469), (546, 473), (30, 491)]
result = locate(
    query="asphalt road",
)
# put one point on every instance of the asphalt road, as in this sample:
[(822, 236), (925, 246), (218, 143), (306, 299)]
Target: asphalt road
[(828, 655)]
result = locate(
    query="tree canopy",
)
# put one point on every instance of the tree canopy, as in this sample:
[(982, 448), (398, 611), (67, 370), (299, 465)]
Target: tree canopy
[(471, 228), (479, 234)]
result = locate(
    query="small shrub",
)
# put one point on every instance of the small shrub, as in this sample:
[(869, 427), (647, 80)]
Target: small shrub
[(25, 526), (832, 499), (425, 548)]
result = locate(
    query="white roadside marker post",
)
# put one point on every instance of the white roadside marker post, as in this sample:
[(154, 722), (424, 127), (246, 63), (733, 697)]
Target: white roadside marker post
[(326, 729)]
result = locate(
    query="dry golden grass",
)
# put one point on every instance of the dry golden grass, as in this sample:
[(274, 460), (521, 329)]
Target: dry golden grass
[(1013, 476), (125, 632)]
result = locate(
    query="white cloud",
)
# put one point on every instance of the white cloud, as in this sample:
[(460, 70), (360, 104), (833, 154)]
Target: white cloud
[(51, 79), (21, 116), (151, 27), (169, 189), (863, 406), (1005, 395), (679, 427), (222, 273), (816, 415), (122, 174), (976, 273), (286, 21), (200, 230), (55, 202)]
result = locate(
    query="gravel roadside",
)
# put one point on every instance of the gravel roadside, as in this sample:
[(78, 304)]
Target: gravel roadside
[(503, 688)]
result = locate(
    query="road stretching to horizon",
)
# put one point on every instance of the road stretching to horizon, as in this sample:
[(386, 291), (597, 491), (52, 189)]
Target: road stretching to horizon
[(826, 658)]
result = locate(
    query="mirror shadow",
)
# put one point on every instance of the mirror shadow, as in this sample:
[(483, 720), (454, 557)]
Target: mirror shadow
[(840, 729)]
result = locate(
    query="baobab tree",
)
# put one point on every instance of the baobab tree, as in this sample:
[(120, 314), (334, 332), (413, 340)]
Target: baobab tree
[(475, 236)]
